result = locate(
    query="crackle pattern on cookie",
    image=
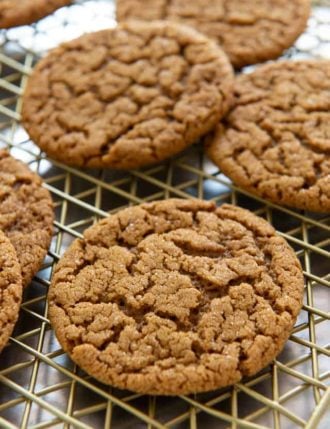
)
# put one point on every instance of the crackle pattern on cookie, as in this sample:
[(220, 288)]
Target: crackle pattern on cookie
[(26, 214), (23, 12), (249, 31), (10, 289), (276, 140), (127, 97), (176, 297)]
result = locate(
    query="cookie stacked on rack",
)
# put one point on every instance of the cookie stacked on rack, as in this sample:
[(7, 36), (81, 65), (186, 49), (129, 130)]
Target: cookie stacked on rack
[(26, 226)]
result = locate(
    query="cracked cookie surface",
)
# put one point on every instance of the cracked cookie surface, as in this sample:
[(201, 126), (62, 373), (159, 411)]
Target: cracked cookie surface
[(23, 12), (127, 97), (249, 31), (26, 214), (10, 289), (275, 142), (176, 297)]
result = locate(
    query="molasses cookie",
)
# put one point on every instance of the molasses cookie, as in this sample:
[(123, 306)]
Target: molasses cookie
[(23, 12), (26, 214), (127, 97), (176, 297), (10, 289), (249, 31), (275, 142)]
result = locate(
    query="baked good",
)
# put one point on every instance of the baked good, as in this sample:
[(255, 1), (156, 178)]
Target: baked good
[(275, 142), (176, 297), (10, 289), (23, 12), (26, 214), (127, 97), (249, 31)]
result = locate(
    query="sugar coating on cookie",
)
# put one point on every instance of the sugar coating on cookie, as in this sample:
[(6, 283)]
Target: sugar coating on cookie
[(10, 289), (23, 12), (275, 142), (127, 97), (249, 31), (26, 214), (176, 297)]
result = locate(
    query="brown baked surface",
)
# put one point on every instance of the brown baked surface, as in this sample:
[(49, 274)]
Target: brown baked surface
[(23, 12), (26, 214), (176, 297), (275, 142), (10, 289), (128, 96), (249, 31)]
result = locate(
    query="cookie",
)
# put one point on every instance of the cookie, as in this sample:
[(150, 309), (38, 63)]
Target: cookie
[(23, 12), (275, 142), (26, 214), (10, 289), (127, 97), (249, 31), (176, 297)]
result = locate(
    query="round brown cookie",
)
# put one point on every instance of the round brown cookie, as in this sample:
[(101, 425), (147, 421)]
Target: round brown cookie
[(10, 289), (249, 31), (26, 214), (23, 12), (276, 140), (127, 97), (176, 297)]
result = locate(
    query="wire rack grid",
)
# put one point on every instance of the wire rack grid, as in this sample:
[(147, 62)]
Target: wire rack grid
[(39, 386)]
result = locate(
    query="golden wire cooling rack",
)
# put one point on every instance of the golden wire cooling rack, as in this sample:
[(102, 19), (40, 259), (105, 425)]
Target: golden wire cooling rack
[(39, 386)]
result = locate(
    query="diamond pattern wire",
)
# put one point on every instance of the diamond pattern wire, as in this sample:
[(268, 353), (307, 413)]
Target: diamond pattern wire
[(39, 386)]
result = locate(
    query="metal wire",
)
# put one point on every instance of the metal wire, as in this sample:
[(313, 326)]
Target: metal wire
[(39, 386)]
